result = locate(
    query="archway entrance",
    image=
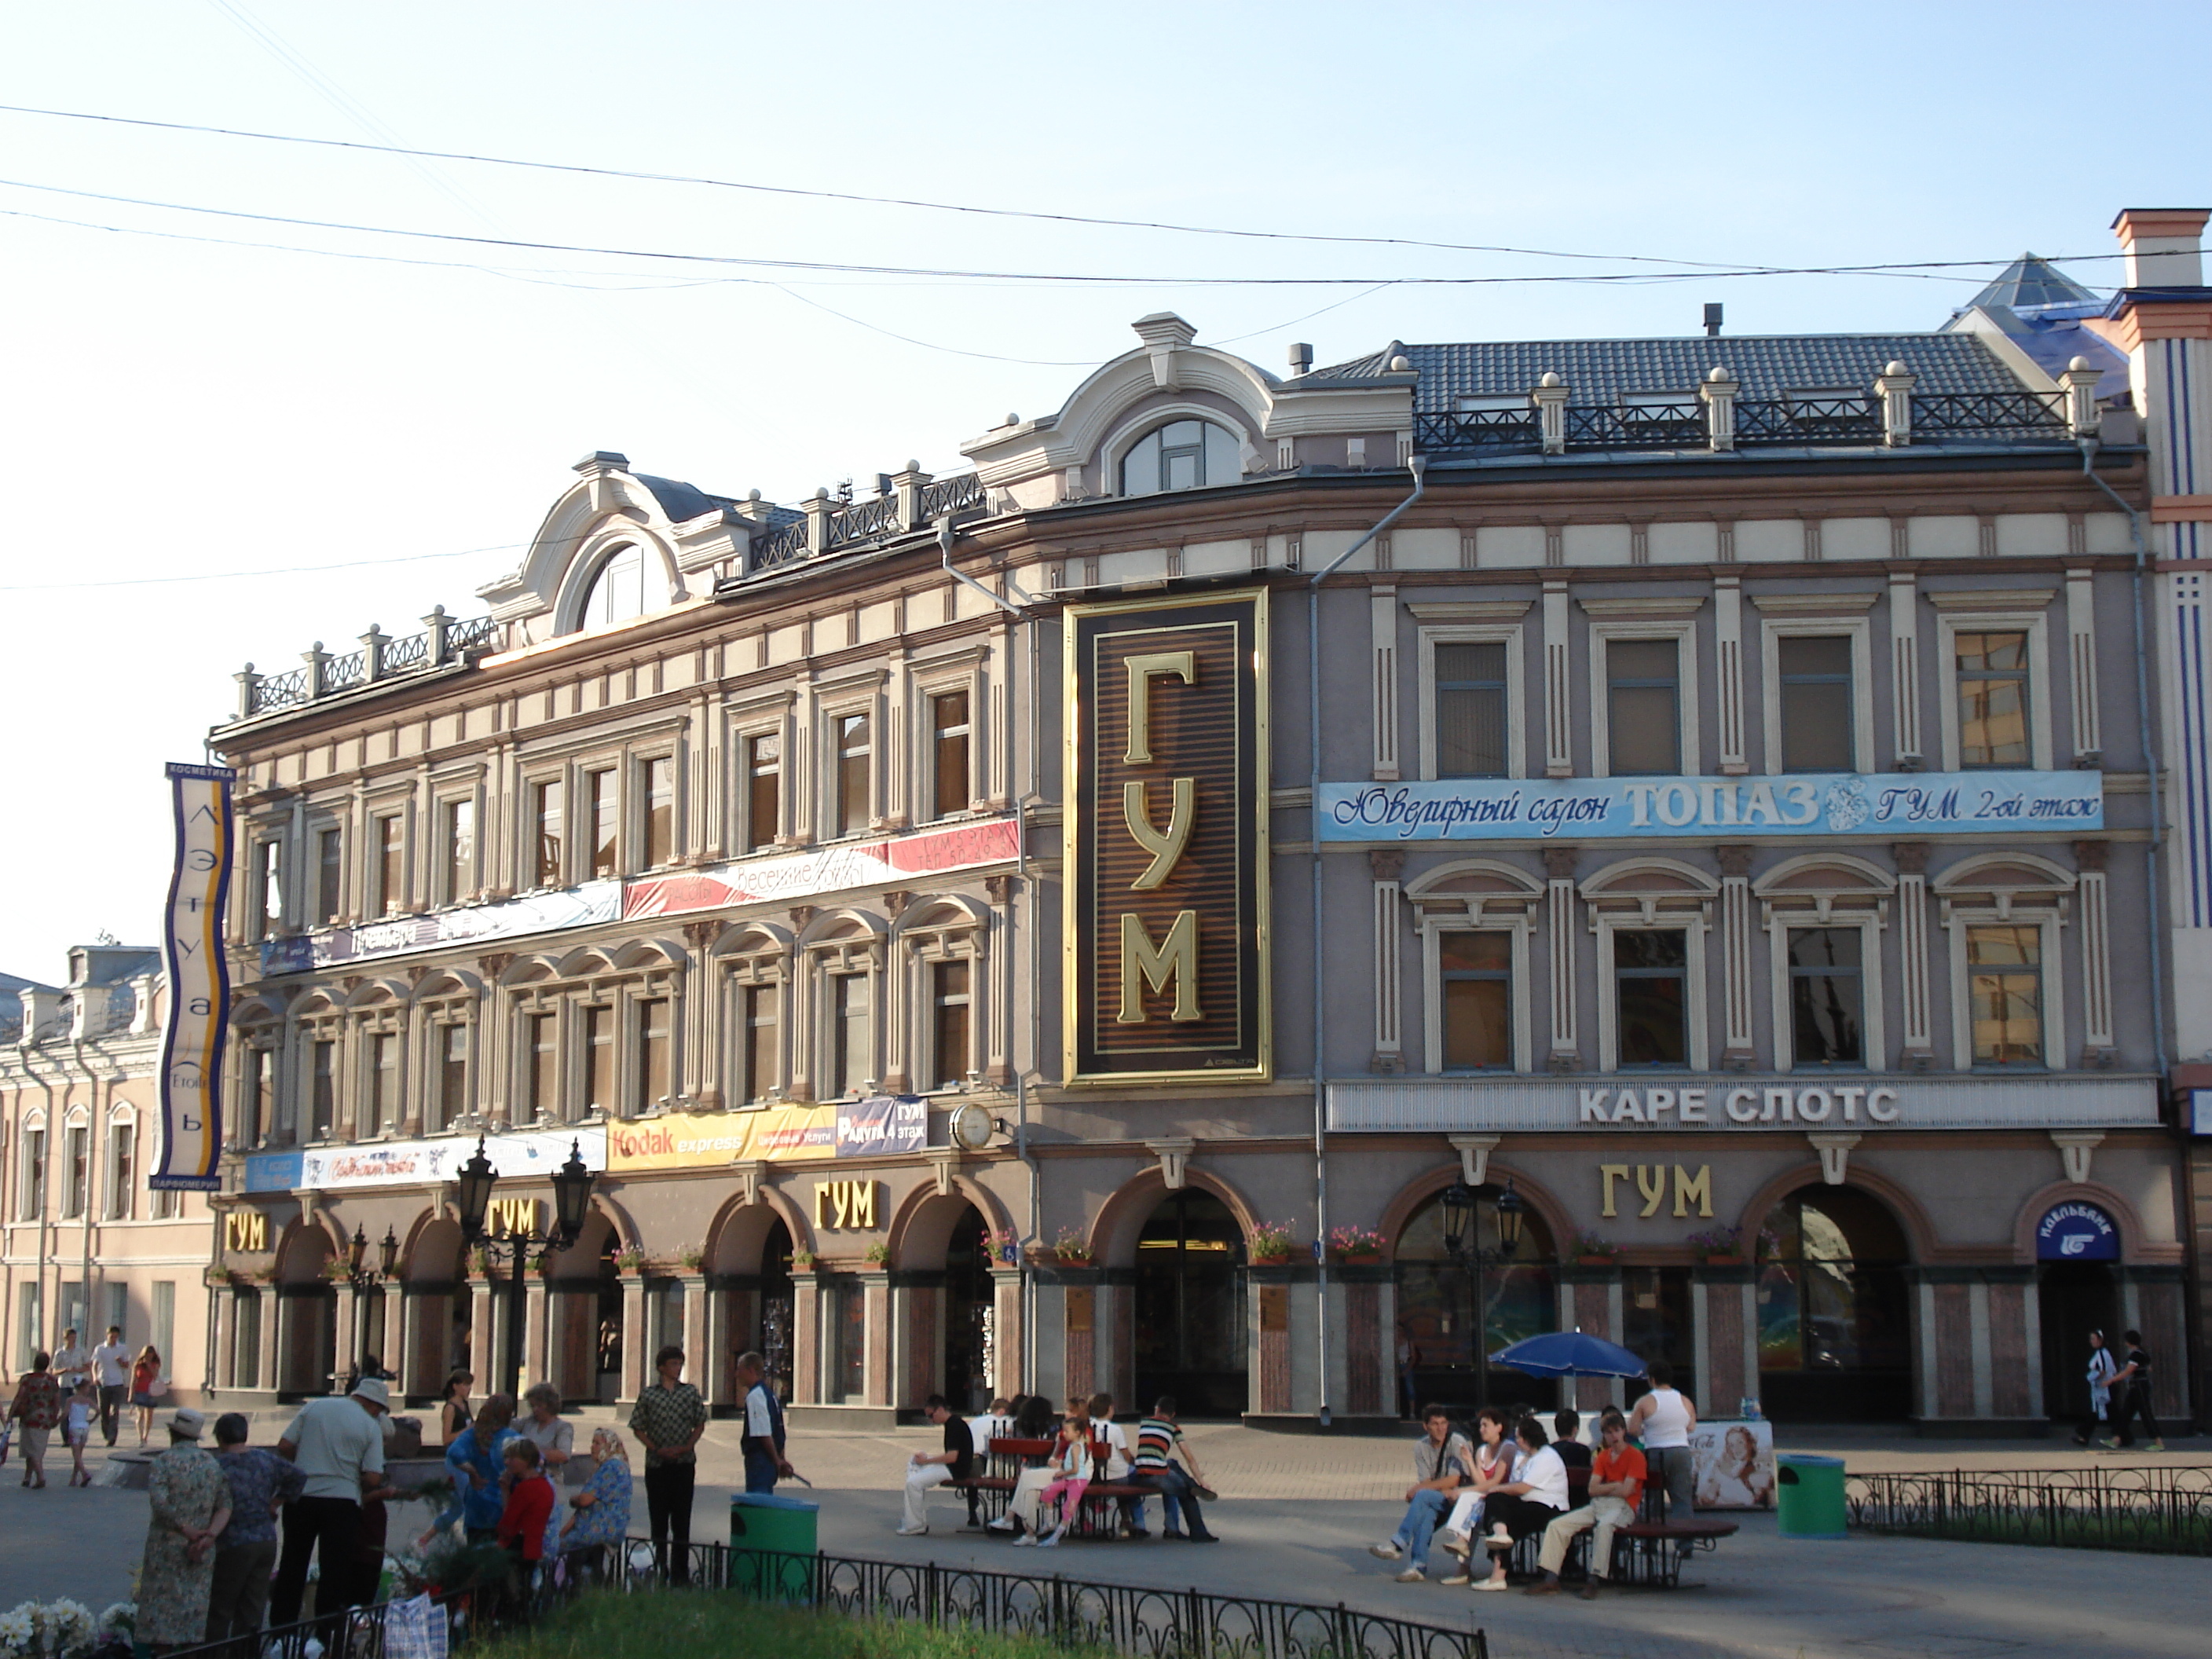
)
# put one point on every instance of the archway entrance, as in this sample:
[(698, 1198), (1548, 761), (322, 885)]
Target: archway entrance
[(1456, 1314), (1656, 1323), (2075, 1298), (437, 1303), (1190, 1335), (307, 1314), (969, 1312), (1835, 1341)]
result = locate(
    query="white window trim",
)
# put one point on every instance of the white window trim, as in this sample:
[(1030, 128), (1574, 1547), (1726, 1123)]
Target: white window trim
[(656, 985), (960, 939), (1133, 430), (1949, 624), (120, 1201), (525, 828), (1871, 923), (1506, 634), (630, 826), (383, 1020), (1603, 924), (539, 997), (382, 903), (833, 959), (829, 711), (312, 872), (1432, 987), (928, 684), (740, 973), (1685, 636), (1772, 631), (2051, 918), (774, 720), (455, 1009), (470, 881)]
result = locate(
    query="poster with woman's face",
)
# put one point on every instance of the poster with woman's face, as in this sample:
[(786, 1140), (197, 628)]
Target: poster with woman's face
[(1732, 1465)]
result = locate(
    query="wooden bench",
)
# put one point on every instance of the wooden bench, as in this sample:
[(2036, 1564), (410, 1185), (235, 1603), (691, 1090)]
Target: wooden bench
[(1648, 1551), (994, 1489)]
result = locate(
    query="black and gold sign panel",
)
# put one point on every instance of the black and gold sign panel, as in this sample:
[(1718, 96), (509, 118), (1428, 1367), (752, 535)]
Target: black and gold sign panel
[(1167, 827)]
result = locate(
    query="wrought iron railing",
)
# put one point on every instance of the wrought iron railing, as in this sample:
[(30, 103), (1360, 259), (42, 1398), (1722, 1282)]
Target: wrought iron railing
[(955, 494), (2162, 1510), (280, 690), (410, 653), (342, 673), (1493, 429), (1990, 414), (467, 635), (1843, 419), (1663, 426), (782, 545), (402, 656), (865, 521)]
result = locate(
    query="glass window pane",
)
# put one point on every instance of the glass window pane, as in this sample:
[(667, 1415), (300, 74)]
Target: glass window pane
[(602, 800), (1478, 1023), (545, 812), (1825, 996), (1993, 697), (658, 777), (1651, 985), (949, 722), (760, 1041), (330, 884), (1140, 471), (853, 753), (599, 1046), (764, 797), (1642, 715), (1225, 462), (2004, 987), (1634, 948), (1816, 694)]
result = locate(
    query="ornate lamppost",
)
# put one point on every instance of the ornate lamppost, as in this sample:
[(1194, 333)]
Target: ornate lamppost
[(364, 1280), (1460, 1202), (571, 1203)]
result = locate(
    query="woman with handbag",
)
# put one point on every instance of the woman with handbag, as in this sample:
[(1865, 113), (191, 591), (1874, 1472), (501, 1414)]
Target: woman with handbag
[(146, 1389)]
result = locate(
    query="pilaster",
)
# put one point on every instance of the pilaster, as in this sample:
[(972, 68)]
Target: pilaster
[(1387, 863), (1559, 684), (1911, 857), (1728, 642), (1383, 680), (1736, 990), (1560, 908), (1905, 659)]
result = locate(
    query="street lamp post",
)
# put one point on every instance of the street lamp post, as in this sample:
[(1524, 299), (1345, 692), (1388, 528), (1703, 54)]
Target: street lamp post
[(365, 1279), (1464, 1246), (572, 1201)]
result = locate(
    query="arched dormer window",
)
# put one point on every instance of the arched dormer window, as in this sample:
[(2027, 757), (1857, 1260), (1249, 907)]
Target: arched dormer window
[(626, 584), (1182, 455)]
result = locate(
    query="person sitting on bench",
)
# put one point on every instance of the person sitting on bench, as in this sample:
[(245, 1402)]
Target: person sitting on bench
[(1070, 1470), (1524, 1505), (927, 1469), (1616, 1484), (1159, 1437), (1440, 1459), (1036, 1420)]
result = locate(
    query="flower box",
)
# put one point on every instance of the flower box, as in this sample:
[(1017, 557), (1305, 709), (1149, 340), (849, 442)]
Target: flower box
[(1364, 1259), (1724, 1261), (1594, 1261)]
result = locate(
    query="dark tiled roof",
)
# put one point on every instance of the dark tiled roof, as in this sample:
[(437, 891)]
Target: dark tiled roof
[(682, 502), (2031, 280), (1768, 366)]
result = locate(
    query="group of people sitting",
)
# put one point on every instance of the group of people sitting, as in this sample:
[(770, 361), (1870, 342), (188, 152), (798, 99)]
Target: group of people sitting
[(1084, 1447), (1513, 1480)]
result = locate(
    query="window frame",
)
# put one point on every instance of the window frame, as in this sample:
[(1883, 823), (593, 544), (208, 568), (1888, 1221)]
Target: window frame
[(382, 901), (1993, 616), (440, 1018), (119, 1184), (1687, 707), (1871, 924), (459, 877), (642, 762), (2050, 920), (30, 1168), (1427, 638), (1772, 630), (760, 960), (77, 1182), (531, 855), (636, 1102), (596, 811), (527, 1009), (1114, 451), (1696, 1014), (264, 881), (384, 1021), (330, 908), (1522, 927)]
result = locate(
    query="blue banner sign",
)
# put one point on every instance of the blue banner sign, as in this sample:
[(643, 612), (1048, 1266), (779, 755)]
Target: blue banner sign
[(1798, 804), (2076, 1232), (273, 1172), (881, 1123)]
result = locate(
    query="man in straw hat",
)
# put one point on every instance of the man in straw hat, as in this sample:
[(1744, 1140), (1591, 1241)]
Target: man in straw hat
[(338, 1442)]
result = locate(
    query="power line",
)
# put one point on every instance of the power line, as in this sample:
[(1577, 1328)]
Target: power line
[(1057, 279), (235, 575)]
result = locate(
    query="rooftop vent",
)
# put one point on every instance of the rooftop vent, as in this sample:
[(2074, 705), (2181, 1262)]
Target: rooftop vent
[(1301, 357), (1712, 319)]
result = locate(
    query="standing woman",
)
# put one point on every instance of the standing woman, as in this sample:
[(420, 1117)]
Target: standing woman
[(2102, 1370), (145, 1373), (190, 1498), (454, 1412), (37, 1407)]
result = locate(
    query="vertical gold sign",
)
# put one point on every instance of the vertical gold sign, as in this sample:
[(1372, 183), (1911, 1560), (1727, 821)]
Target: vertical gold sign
[(1167, 839)]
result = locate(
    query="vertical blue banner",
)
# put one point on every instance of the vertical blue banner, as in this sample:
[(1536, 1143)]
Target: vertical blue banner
[(199, 981)]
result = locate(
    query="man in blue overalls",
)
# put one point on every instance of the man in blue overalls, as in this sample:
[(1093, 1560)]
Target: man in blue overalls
[(763, 1440)]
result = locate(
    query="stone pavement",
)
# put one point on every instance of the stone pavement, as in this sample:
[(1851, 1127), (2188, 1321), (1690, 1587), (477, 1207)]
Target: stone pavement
[(1300, 1512)]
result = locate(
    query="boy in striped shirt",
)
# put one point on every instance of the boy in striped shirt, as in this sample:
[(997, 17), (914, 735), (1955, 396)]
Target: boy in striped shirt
[(1158, 1437)]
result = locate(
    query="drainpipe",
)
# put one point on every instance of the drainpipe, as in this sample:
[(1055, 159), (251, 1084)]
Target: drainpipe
[(2150, 761), (1420, 469)]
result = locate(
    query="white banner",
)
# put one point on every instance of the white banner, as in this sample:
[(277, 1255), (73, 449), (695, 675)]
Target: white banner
[(533, 1155), (199, 981)]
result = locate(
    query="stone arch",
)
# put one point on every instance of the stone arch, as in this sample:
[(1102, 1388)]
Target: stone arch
[(2011, 872), (930, 912), (1920, 1232), (2134, 1246), (447, 982), (371, 992), (1120, 1219), (524, 970), (1471, 876), (739, 1233), (1790, 875), (832, 925), (1139, 420), (1661, 878), (650, 952), (585, 961), (432, 1250), (1558, 1219), (1107, 399), (305, 1247), (920, 1226), (597, 551), (750, 936), (607, 1219)]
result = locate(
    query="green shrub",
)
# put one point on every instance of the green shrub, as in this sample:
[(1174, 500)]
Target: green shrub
[(708, 1625)]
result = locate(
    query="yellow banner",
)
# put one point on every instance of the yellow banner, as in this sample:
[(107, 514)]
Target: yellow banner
[(686, 1139)]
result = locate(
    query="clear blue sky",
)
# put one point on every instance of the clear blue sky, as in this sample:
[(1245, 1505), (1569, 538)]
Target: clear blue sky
[(173, 407)]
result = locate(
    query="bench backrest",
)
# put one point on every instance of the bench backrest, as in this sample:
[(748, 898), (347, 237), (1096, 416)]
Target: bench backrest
[(1009, 1456)]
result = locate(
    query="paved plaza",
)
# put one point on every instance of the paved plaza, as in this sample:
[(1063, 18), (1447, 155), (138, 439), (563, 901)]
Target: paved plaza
[(1298, 1512)]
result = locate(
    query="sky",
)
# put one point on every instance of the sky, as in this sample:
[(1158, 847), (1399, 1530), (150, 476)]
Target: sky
[(336, 428)]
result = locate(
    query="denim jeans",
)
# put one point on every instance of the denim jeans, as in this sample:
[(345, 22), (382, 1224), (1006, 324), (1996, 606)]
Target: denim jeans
[(1420, 1524), (1177, 1497)]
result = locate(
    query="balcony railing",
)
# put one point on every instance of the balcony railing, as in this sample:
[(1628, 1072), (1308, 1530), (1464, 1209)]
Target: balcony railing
[(865, 521), (1850, 420), (1991, 414), (380, 658), (941, 497)]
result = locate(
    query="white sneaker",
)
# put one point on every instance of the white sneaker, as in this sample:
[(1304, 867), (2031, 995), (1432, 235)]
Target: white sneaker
[(1458, 1543), (1413, 1575), (1387, 1550), (911, 1532), (1027, 1541), (1053, 1542), (1003, 1523)]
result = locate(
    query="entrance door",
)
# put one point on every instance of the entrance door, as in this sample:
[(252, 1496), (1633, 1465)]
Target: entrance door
[(1189, 1325), (1656, 1323), (1835, 1342), (776, 1304), (968, 1313), (2075, 1298), (607, 1343), (1454, 1312)]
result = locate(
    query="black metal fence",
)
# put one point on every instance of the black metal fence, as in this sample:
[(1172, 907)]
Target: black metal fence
[(2161, 1510), (1154, 1624)]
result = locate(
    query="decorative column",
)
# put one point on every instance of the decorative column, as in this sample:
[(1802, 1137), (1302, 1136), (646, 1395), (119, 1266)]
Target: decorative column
[(226, 1333), (1387, 863), (897, 992), (876, 1289), (344, 1354), (1007, 1337), (1904, 653), (704, 995), (996, 969), (1383, 680), (1728, 642), (1736, 994), (2081, 666), (800, 985), (408, 1361), (1911, 859), (1559, 869), (700, 1353), (265, 1378), (1893, 388), (1559, 684), (392, 1339), (806, 1338), (483, 1321), (637, 1341), (716, 1377), (537, 1325), (1550, 397), (2097, 1037)]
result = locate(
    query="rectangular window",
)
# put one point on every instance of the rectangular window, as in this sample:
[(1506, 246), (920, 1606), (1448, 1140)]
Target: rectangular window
[(763, 790), (1826, 997), (1816, 703), (948, 720), (268, 887), (1471, 738), (543, 1058), (118, 1300), (654, 1046), (452, 1075), (330, 876), (545, 817), (1476, 974), (1651, 984), (600, 801), (122, 1169), (948, 1004), (1993, 700), (74, 1315), (762, 1007), (261, 1096), (164, 1333), (459, 834), (2004, 992), (657, 781), (854, 744), (599, 1060), (76, 1174), (384, 1084), (848, 1334), (848, 1033), (390, 865), (323, 1094), (1644, 725), (168, 1206), (31, 1203)]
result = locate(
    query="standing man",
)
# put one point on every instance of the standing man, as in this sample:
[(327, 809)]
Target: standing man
[(1662, 1420), (110, 1367), (927, 1469), (1440, 1457), (337, 1442), (72, 1363), (2132, 1382), (668, 1419), (762, 1441)]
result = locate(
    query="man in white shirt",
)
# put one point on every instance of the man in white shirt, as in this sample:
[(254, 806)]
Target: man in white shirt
[(1526, 1505), (337, 1441), (1105, 1432), (996, 1424), (72, 1362), (110, 1367), (762, 1441)]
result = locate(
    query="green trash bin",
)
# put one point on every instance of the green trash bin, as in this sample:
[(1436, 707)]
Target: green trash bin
[(772, 1546), (1809, 1500)]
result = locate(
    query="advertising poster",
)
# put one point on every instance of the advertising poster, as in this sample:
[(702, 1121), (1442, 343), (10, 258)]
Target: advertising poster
[(685, 1140), (532, 1154), (1732, 1464), (199, 981), (881, 1123)]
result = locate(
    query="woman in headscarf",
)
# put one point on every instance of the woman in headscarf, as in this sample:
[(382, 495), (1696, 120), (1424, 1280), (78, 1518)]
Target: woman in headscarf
[(599, 1512), (191, 1503)]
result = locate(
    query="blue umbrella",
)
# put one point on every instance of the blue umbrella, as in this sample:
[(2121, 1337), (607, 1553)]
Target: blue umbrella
[(1568, 1353)]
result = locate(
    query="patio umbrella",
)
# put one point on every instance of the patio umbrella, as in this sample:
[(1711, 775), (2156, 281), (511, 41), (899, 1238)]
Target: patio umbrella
[(1568, 1353)]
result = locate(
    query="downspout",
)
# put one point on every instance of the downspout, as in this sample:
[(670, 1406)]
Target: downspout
[(2150, 762), (1419, 468)]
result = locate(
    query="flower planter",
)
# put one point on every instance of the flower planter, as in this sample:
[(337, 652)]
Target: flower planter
[(1375, 1260), (1723, 1262), (1594, 1261), (1283, 1261)]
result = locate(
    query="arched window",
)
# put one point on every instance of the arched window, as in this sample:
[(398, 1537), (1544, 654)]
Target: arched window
[(1834, 1315), (1182, 455), (626, 584), (1457, 1312)]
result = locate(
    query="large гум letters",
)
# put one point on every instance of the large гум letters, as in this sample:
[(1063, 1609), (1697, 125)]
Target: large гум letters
[(1176, 957)]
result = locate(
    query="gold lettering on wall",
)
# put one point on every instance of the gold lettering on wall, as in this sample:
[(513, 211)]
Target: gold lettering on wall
[(245, 1231), (1183, 664), (1166, 849), (845, 1204), (511, 1217), (1175, 958), (1651, 1187)]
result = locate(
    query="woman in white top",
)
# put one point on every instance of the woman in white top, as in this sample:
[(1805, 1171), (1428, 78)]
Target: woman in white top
[(1531, 1501), (1492, 1464), (1662, 1420)]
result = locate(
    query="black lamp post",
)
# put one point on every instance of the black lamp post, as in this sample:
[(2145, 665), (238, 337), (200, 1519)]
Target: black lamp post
[(571, 1203), (365, 1279), (1460, 1202)]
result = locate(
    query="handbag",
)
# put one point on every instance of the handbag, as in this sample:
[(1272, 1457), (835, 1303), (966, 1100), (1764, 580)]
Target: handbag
[(158, 1388)]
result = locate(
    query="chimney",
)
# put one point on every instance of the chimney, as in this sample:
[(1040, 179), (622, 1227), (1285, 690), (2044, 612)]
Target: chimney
[(1712, 319), (2163, 245), (1300, 358)]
